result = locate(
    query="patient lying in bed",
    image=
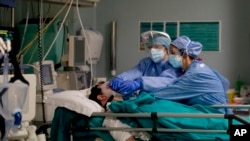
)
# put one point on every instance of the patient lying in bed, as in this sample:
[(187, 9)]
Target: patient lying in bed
[(147, 103), (103, 94), (143, 103)]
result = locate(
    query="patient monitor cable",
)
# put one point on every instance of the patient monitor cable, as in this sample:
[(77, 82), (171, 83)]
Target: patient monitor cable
[(24, 50), (26, 25), (40, 54), (60, 28)]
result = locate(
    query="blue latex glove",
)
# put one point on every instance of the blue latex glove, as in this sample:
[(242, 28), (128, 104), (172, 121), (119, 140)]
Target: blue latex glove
[(115, 83), (130, 86)]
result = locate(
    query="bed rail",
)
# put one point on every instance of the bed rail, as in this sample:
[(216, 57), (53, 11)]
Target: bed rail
[(154, 116)]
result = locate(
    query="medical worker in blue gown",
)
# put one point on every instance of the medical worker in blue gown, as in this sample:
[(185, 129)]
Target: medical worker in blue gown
[(200, 84), (151, 73)]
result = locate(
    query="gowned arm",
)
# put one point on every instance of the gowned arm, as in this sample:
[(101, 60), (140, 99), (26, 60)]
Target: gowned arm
[(154, 83), (189, 86), (131, 74)]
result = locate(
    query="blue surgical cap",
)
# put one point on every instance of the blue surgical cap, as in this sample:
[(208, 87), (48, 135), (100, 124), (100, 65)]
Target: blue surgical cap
[(186, 46), (159, 40), (194, 49), (181, 42)]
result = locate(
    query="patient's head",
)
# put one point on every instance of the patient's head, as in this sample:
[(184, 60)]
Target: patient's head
[(99, 96)]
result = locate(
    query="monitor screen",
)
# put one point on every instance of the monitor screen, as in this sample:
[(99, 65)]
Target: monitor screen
[(47, 74), (48, 81)]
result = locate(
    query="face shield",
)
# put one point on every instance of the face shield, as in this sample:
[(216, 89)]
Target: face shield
[(155, 40), (145, 35)]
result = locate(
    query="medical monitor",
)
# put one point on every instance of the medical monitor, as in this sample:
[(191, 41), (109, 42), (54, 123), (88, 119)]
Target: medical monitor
[(84, 49), (29, 108), (76, 51), (48, 75)]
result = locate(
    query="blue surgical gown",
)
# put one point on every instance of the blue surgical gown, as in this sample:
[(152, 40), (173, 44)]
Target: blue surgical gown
[(153, 75), (199, 85)]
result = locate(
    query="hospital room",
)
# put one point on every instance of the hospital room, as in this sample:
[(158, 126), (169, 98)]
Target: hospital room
[(124, 70)]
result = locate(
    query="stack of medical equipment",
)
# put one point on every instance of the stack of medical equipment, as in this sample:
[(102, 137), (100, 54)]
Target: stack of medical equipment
[(83, 52), (46, 82)]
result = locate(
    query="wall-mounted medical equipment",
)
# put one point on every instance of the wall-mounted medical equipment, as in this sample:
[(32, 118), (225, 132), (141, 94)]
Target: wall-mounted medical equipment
[(76, 51), (85, 49), (48, 75)]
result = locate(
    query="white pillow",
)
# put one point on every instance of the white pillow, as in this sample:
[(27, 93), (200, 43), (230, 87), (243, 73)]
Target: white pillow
[(75, 100)]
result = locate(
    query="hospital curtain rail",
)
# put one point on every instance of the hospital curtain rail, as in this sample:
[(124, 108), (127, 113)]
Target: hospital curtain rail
[(230, 117)]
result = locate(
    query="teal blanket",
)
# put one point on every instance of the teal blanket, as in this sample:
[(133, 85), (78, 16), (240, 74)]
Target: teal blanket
[(146, 103), (60, 127)]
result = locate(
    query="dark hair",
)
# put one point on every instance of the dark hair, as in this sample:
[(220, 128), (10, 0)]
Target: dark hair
[(95, 91)]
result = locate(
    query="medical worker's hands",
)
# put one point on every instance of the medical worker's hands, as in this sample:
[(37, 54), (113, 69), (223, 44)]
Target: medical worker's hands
[(130, 86), (115, 83)]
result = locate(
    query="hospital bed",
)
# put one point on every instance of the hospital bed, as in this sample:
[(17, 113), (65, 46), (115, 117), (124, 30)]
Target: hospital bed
[(74, 128), (74, 125)]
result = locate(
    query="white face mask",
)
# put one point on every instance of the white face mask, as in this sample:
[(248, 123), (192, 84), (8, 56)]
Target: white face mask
[(156, 55), (175, 61)]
